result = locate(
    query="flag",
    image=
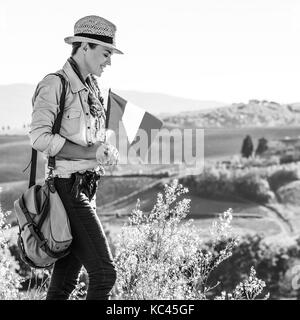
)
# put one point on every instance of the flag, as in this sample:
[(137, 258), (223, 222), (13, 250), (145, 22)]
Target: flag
[(126, 118)]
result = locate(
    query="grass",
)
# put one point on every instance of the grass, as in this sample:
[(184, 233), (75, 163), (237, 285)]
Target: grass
[(111, 189)]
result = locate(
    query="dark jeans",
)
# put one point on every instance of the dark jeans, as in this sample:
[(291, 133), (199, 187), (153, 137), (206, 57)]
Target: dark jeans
[(89, 248)]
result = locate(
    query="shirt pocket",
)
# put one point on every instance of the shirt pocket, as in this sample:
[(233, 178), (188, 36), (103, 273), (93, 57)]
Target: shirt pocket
[(71, 123)]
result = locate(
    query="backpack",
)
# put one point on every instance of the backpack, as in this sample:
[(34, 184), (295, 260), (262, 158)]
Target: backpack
[(44, 229)]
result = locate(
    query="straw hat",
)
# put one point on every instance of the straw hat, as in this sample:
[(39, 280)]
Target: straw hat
[(96, 30)]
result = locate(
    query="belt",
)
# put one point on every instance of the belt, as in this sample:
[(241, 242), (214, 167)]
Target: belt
[(69, 175), (85, 182)]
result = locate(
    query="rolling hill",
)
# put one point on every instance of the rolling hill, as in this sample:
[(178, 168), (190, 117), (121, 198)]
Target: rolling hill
[(255, 113)]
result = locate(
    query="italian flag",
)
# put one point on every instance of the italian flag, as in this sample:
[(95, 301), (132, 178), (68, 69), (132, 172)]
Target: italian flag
[(126, 119)]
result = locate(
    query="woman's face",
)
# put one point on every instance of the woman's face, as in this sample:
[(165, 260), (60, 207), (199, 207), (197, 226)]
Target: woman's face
[(97, 59)]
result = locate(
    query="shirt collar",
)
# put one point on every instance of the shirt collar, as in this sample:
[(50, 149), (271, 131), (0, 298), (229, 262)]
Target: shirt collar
[(75, 83)]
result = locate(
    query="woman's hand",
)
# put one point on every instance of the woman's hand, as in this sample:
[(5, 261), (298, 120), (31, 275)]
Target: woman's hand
[(107, 154)]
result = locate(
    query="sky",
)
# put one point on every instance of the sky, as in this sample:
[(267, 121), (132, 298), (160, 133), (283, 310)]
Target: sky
[(221, 50)]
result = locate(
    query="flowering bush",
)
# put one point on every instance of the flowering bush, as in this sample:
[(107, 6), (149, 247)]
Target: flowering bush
[(10, 281), (247, 290), (161, 256), (273, 261)]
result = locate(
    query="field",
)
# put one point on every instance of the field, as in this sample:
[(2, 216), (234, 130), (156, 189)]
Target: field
[(220, 143), (117, 196), (15, 151)]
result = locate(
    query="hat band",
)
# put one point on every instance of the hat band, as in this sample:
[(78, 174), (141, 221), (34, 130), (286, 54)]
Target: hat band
[(96, 37)]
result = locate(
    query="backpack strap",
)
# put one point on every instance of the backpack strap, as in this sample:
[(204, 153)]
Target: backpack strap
[(55, 129), (32, 168)]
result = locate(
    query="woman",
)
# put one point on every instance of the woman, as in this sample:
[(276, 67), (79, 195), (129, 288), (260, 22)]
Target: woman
[(80, 151)]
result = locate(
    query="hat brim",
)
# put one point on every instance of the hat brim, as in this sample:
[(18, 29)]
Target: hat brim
[(70, 40)]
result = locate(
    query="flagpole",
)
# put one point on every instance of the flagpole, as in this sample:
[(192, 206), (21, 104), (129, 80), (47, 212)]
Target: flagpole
[(107, 112)]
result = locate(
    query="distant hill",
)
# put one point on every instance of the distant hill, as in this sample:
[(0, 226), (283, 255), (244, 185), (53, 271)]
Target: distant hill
[(255, 113), (15, 103), (163, 104)]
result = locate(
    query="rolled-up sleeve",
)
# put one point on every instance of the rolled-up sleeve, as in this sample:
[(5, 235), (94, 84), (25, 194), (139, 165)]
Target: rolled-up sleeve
[(45, 103)]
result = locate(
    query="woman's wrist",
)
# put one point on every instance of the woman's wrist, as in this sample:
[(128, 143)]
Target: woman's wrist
[(92, 149)]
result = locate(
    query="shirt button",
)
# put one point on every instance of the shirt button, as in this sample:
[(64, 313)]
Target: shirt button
[(87, 114), (89, 127)]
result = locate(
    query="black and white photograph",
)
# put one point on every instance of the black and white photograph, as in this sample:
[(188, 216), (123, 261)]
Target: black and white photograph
[(150, 151)]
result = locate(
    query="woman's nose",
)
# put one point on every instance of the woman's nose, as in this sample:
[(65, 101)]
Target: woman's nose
[(108, 61)]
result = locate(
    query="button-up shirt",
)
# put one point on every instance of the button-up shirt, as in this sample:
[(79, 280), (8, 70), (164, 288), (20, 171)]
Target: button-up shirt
[(76, 125)]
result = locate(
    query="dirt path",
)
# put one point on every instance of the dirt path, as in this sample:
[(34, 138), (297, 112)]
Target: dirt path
[(283, 222)]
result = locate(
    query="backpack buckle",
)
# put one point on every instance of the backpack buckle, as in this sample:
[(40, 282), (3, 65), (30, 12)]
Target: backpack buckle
[(50, 182)]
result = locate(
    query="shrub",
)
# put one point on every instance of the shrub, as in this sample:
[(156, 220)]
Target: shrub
[(10, 281), (254, 183), (289, 158), (253, 187), (213, 182), (272, 261), (222, 183), (159, 256), (289, 194), (282, 177)]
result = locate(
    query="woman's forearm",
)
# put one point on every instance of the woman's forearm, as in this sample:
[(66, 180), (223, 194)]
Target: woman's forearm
[(71, 150)]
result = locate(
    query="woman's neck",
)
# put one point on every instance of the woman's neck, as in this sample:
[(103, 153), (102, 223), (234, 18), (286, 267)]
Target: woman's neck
[(83, 71)]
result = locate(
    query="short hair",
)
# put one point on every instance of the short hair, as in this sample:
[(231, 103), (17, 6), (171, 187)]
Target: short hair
[(77, 45)]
